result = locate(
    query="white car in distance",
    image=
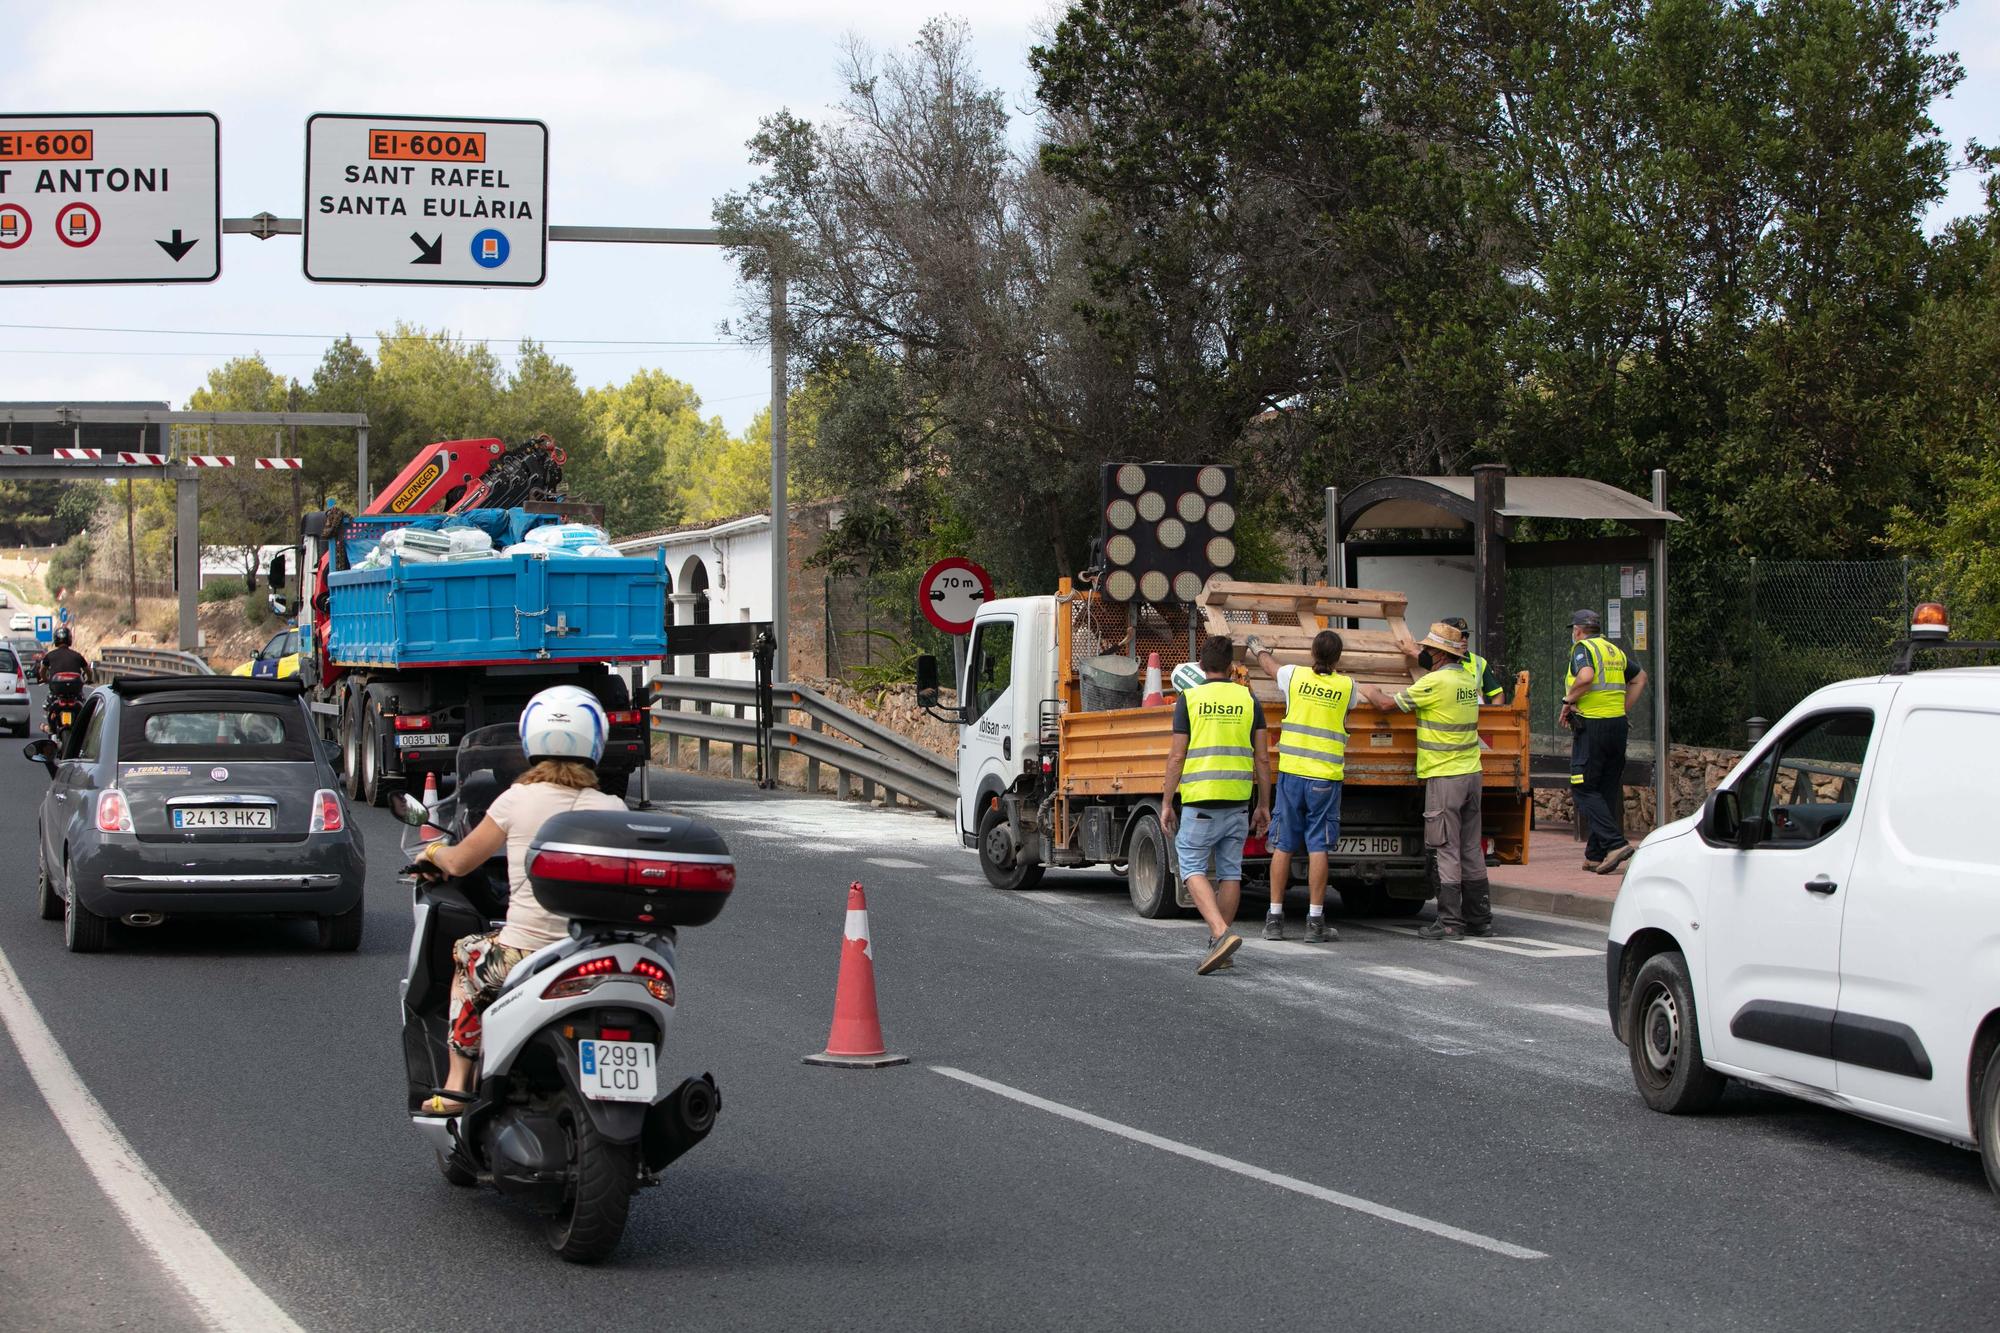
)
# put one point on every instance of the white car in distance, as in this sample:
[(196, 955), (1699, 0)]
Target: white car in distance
[(1829, 925)]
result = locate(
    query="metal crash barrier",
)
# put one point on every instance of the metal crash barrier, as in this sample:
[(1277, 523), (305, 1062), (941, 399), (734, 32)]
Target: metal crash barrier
[(114, 661)]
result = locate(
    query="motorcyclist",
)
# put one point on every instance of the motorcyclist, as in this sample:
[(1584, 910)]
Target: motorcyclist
[(61, 657), (562, 733)]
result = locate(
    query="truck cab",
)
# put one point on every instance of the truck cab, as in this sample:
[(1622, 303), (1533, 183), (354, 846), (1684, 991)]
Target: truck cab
[(1010, 669)]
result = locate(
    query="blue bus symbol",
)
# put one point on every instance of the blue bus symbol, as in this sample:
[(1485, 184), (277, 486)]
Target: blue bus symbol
[(489, 249)]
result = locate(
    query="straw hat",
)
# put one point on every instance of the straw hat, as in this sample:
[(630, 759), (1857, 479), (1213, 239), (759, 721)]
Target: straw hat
[(1447, 638)]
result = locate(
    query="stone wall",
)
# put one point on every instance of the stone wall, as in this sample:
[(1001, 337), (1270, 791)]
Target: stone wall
[(1693, 772)]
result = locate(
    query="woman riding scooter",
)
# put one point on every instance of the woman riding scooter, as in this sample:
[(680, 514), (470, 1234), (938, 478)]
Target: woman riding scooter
[(562, 732)]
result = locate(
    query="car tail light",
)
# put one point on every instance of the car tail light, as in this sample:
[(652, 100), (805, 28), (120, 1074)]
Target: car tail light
[(113, 814), (626, 717), (326, 816), (641, 872), (413, 722), (587, 977), (614, 1034)]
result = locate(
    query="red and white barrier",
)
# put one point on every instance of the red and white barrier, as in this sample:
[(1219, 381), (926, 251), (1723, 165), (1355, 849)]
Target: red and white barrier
[(14, 450), (75, 454), (283, 464), (146, 460), (210, 460)]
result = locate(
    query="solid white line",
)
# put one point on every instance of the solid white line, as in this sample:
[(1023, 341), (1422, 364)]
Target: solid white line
[(223, 1295), (1385, 1213)]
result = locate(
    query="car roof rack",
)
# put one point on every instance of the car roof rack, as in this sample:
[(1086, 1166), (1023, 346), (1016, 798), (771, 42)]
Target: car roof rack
[(132, 687)]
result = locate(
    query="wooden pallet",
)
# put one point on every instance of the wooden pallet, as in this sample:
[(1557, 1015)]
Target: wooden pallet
[(1286, 616)]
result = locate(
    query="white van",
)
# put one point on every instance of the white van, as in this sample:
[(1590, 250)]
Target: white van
[(1829, 925)]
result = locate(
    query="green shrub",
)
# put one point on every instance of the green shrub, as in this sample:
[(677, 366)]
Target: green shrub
[(222, 590), (66, 567), (256, 611)]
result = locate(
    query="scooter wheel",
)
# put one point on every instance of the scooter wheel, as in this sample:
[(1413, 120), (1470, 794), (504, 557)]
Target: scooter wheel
[(456, 1171), (602, 1176)]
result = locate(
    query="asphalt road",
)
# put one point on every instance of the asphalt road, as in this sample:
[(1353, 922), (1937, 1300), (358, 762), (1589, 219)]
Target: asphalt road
[(1472, 1091)]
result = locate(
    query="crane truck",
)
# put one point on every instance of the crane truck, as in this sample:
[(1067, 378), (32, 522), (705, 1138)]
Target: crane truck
[(400, 661)]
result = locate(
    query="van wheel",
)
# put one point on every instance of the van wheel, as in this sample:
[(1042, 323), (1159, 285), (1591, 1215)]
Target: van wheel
[(1988, 1126), (1005, 868), (1149, 869), (1663, 1041)]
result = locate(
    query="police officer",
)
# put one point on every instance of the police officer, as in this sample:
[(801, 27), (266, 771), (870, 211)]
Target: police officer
[(1217, 762), (1601, 687), (1312, 761), (1446, 703)]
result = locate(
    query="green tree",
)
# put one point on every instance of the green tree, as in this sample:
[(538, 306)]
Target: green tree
[(343, 381), (652, 446), (428, 387)]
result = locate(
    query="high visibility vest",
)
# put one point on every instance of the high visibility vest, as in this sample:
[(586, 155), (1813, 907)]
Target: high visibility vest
[(1606, 695), (1448, 722), (1313, 743), (1478, 665), (1220, 765)]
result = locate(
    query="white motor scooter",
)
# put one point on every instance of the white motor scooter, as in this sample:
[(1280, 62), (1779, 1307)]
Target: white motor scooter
[(568, 1113)]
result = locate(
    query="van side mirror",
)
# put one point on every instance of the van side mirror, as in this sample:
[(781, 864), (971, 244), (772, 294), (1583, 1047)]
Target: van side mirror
[(1722, 822), (928, 690), (277, 576)]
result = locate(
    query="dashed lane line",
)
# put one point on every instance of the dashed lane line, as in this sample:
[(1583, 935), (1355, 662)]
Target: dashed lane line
[(893, 863), (1597, 1018), (1354, 1203), (224, 1295)]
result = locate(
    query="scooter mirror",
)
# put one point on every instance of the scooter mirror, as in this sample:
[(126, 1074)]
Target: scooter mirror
[(407, 808)]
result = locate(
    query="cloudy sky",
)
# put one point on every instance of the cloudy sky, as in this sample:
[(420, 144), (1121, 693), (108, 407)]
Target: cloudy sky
[(648, 106)]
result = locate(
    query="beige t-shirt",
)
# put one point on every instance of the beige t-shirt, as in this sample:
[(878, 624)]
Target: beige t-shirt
[(520, 812)]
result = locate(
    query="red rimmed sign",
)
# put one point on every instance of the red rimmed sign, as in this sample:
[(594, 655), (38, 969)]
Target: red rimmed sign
[(951, 593)]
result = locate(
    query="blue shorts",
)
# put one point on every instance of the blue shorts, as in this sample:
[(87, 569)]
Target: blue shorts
[(1215, 832), (1307, 817)]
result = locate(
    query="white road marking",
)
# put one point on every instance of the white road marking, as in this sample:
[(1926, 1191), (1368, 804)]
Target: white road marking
[(975, 881), (1443, 1230), (1530, 948), (892, 863), (1413, 976), (222, 1293), (1596, 1018)]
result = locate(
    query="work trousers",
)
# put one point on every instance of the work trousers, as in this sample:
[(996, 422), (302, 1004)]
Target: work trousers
[(1456, 837), (1597, 782)]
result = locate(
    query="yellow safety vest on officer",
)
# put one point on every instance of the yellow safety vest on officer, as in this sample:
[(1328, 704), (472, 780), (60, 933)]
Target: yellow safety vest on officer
[(1313, 741), (1605, 695), (1221, 762)]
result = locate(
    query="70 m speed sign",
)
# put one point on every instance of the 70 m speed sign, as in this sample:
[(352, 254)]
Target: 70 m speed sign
[(952, 592)]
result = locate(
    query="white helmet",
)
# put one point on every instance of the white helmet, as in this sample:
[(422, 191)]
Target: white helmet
[(564, 722)]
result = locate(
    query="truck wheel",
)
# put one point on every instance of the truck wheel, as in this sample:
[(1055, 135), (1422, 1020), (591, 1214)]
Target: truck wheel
[(375, 788), (1149, 869), (1005, 868), (1987, 1127), (350, 747), (1663, 1041)]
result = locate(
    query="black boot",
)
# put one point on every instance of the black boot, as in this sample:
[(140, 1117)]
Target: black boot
[(1478, 907)]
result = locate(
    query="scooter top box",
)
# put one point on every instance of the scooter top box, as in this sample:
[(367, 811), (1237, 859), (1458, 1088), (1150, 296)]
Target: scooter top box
[(631, 868)]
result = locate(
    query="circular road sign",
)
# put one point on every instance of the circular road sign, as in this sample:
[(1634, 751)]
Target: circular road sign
[(952, 592), (77, 224), (15, 226)]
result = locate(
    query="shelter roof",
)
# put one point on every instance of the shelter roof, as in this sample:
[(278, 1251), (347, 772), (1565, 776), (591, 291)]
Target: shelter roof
[(1447, 502)]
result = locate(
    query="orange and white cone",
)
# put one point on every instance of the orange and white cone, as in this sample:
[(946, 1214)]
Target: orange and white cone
[(430, 793), (1153, 695), (856, 1039)]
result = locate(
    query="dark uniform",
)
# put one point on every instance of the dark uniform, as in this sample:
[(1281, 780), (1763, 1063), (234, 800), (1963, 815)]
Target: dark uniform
[(1597, 746)]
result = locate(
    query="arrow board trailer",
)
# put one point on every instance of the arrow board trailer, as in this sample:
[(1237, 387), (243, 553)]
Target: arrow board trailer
[(412, 199), (110, 198)]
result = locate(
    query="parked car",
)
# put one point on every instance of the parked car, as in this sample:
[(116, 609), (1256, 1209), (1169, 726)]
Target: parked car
[(277, 660), (21, 622), (13, 691), (1829, 925), (5, 600), (195, 796)]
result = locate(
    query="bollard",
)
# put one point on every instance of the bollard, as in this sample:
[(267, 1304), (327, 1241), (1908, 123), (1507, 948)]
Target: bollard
[(1757, 726)]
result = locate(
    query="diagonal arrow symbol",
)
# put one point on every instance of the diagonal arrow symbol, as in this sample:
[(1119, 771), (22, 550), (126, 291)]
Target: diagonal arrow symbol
[(433, 251), (178, 248)]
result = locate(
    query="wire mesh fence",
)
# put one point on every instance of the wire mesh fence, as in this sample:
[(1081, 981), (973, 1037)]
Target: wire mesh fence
[(872, 630)]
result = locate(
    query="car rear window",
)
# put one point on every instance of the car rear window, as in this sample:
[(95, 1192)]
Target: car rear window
[(242, 733), (7, 661)]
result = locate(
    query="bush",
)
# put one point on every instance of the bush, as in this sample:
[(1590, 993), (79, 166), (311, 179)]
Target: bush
[(256, 611), (66, 567), (223, 589)]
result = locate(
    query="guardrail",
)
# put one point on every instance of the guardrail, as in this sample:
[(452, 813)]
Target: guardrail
[(116, 660), (864, 751)]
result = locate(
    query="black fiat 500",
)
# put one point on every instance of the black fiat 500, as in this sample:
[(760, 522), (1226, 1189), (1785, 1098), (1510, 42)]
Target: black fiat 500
[(195, 796)]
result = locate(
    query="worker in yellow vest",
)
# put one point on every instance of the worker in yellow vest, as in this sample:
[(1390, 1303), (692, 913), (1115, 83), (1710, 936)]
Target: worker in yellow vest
[(1312, 761), (1446, 703), (1217, 763), (1599, 692)]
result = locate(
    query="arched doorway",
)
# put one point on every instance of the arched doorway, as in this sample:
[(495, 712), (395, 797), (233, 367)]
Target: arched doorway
[(693, 586)]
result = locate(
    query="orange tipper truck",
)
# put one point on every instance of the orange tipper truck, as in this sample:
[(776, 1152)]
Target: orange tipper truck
[(1059, 767)]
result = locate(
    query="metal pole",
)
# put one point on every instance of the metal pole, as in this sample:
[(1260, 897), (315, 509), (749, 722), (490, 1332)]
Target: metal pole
[(361, 484), (1663, 798), (131, 557), (781, 522), (187, 526), (1336, 569), (1489, 560)]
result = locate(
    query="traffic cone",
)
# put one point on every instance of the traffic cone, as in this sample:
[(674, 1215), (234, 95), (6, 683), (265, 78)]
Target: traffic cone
[(1153, 695), (430, 794), (856, 1039)]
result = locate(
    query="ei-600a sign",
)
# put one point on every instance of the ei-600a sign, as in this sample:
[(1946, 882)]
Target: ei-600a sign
[(457, 203)]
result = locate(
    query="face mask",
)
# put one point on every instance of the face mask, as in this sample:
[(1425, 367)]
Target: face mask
[(1426, 661)]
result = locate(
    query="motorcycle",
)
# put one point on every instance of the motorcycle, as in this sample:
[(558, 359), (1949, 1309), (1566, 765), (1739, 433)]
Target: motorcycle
[(568, 1114), (65, 700)]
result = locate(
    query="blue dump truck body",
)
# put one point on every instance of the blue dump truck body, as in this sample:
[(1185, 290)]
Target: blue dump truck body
[(496, 611)]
